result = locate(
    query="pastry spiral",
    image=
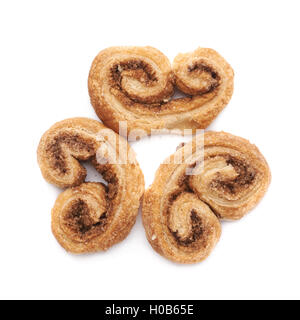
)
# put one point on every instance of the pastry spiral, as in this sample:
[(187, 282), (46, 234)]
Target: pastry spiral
[(136, 84), (90, 216), (224, 177)]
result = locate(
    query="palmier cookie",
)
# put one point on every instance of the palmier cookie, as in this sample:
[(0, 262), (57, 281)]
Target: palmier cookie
[(222, 177), (136, 84), (90, 216)]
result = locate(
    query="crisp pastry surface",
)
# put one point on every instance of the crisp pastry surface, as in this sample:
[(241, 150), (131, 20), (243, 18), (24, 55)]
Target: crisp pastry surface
[(90, 216), (136, 84), (223, 177)]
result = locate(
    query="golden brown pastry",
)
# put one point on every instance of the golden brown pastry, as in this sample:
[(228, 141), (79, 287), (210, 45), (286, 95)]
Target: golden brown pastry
[(90, 216), (136, 84), (223, 177)]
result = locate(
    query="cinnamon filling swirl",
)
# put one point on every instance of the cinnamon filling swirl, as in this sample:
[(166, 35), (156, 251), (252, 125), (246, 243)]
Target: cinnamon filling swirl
[(75, 143), (194, 235), (80, 221)]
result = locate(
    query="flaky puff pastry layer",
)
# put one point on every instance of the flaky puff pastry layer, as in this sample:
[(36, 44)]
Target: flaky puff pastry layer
[(90, 217), (220, 176), (136, 84)]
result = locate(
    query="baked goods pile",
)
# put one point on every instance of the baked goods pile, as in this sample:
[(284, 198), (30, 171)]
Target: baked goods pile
[(219, 175)]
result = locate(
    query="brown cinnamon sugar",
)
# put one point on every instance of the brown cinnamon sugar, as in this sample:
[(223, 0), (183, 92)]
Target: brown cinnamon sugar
[(246, 175), (139, 70), (75, 142), (79, 221), (208, 74), (196, 233)]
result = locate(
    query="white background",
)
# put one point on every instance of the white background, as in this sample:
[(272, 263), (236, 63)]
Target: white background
[(46, 49)]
